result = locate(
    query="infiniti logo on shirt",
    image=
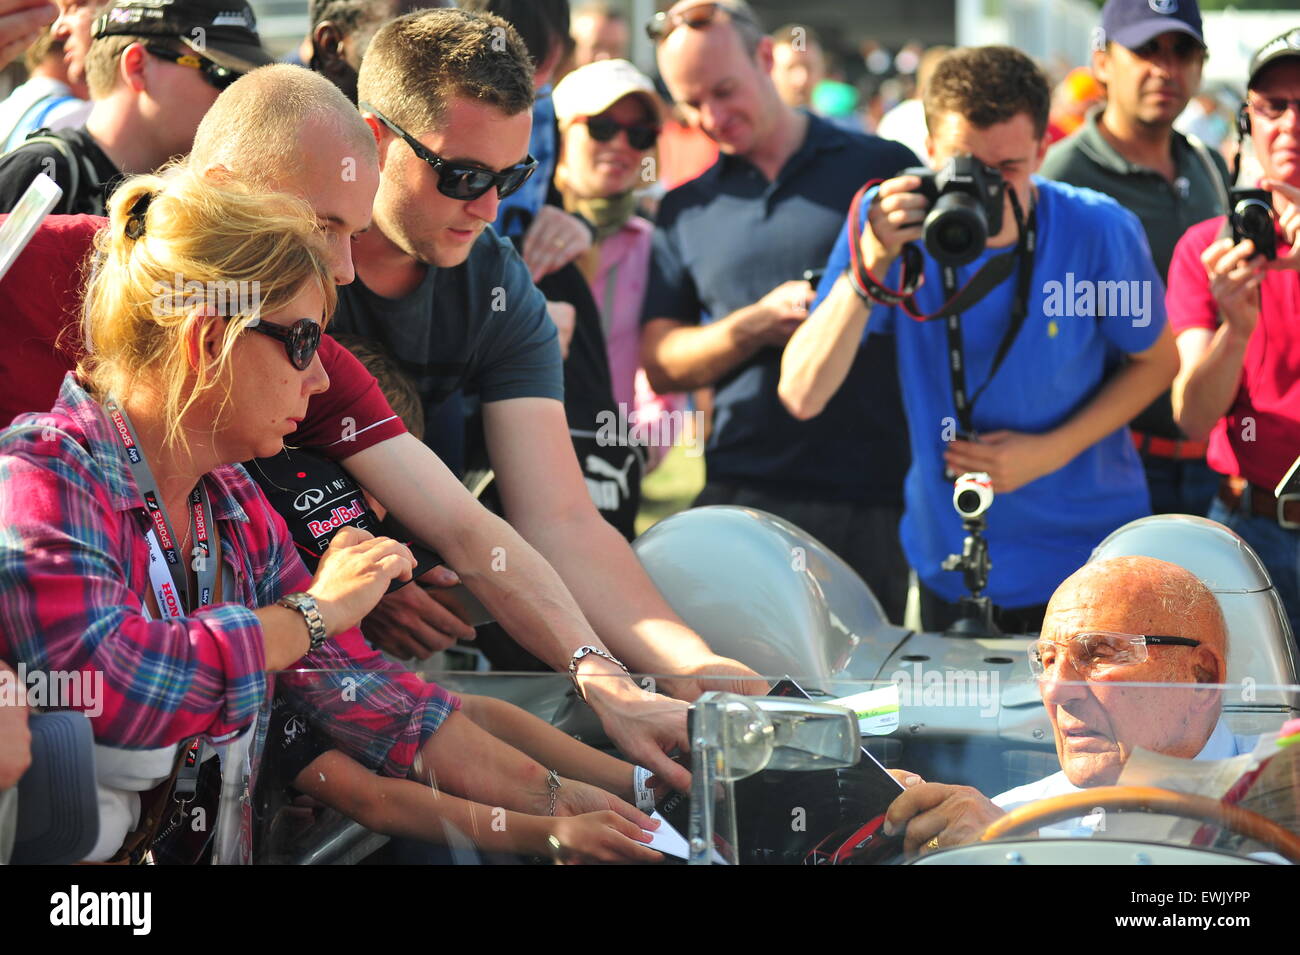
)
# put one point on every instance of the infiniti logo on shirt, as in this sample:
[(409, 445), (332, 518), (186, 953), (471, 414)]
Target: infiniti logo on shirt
[(308, 499)]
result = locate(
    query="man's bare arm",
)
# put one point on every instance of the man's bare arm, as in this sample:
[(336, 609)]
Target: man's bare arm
[(545, 497), (518, 585), (682, 357), (1013, 459), (820, 353), (1212, 362), (515, 583), (1208, 378)]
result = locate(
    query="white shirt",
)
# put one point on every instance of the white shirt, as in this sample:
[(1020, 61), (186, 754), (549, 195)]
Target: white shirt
[(905, 123), (1222, 744), (26, 106)]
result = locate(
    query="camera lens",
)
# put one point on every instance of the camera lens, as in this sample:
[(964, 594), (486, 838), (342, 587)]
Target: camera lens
[(956, 229), (953, 236), (968, 502), (1254, 218)]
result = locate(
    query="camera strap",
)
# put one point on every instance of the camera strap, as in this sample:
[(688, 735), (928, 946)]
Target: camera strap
[(956, 300), (1024, 253)]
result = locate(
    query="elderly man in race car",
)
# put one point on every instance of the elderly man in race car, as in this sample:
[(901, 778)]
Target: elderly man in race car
[(1112, 629)]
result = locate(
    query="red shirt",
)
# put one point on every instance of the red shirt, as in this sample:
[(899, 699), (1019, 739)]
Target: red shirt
[(40, 325), (1259, 436)]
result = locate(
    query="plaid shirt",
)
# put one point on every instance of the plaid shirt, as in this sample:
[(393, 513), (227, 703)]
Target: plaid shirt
[(74, 562)]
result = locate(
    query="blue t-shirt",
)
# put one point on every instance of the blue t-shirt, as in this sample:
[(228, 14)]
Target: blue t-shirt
[(1043, 532), (725, 240)]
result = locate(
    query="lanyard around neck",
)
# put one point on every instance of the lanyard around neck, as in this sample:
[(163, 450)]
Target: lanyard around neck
[(963, 403), (172, 584)]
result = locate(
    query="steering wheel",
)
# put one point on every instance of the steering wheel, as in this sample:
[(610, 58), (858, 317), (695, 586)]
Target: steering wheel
[(1162, 802)]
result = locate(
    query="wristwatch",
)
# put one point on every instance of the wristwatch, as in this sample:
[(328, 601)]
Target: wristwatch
[(578, 654), (305, 604)]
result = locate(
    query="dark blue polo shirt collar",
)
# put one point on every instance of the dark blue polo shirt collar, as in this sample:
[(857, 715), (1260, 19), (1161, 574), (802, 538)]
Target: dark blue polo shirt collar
[(820, 136)]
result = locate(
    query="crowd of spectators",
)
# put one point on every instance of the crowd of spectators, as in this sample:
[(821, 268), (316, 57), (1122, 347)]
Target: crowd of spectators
[(475, 199)]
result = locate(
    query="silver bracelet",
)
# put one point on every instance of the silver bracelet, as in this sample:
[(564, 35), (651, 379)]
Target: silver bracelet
[(581, 652), (552, 784)]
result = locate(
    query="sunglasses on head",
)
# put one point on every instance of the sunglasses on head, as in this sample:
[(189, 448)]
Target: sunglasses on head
[(214, 74), (300, 340), (697, 18), (456, 180), (639, 135)]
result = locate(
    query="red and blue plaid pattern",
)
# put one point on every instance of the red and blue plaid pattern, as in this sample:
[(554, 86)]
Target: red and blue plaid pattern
[(73, 571)]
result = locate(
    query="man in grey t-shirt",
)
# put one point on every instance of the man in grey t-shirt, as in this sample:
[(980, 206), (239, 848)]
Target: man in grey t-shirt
[(452, 116)]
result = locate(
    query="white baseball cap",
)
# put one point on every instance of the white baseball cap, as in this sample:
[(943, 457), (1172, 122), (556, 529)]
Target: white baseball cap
[(590, 90)]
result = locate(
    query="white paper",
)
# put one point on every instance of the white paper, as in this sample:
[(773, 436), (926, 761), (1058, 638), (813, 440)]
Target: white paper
[(876, 710), (670, 842)]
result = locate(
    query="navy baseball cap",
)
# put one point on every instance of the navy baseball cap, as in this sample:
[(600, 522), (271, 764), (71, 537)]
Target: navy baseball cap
[(1131, 23), (1286, 46)]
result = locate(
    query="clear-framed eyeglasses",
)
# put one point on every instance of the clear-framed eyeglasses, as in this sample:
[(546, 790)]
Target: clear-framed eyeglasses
[(1096, 652)]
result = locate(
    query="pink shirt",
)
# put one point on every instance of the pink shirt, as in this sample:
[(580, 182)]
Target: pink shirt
[(1259, 436), (619, 289)]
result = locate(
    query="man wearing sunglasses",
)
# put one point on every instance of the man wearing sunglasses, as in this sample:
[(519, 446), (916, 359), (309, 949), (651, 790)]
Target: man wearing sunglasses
[(727, 289), (154, 68), (451, 115), (1114, 629), (1233, 312)]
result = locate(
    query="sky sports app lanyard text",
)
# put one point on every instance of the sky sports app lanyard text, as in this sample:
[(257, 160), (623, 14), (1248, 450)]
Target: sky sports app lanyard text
[(171, 587)]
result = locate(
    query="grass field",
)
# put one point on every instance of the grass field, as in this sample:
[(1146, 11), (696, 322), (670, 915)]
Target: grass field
[(670, 488)]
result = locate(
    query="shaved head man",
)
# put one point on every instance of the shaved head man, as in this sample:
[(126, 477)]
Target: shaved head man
[(1112, 630)]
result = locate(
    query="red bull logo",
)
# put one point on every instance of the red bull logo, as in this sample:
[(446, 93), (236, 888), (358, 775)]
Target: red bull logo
[(338, 517)]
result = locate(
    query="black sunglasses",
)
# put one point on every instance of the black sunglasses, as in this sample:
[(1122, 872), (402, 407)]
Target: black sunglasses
[(301, 339), (215, 74), (461, 182), (697, 17), (639, 135)]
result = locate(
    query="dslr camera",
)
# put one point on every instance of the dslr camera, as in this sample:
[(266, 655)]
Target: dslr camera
[(1252, 218), (966, 200)]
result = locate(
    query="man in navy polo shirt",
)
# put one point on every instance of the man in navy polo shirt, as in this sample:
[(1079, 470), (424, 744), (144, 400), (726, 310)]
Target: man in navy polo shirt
[(1050, 419), (1149, 57), (726, 290)]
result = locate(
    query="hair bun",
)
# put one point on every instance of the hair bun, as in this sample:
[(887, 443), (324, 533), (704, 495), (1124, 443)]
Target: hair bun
[(135, 216)]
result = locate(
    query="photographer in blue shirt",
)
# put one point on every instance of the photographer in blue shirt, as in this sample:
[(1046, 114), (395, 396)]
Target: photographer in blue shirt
[(1042, 391)]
